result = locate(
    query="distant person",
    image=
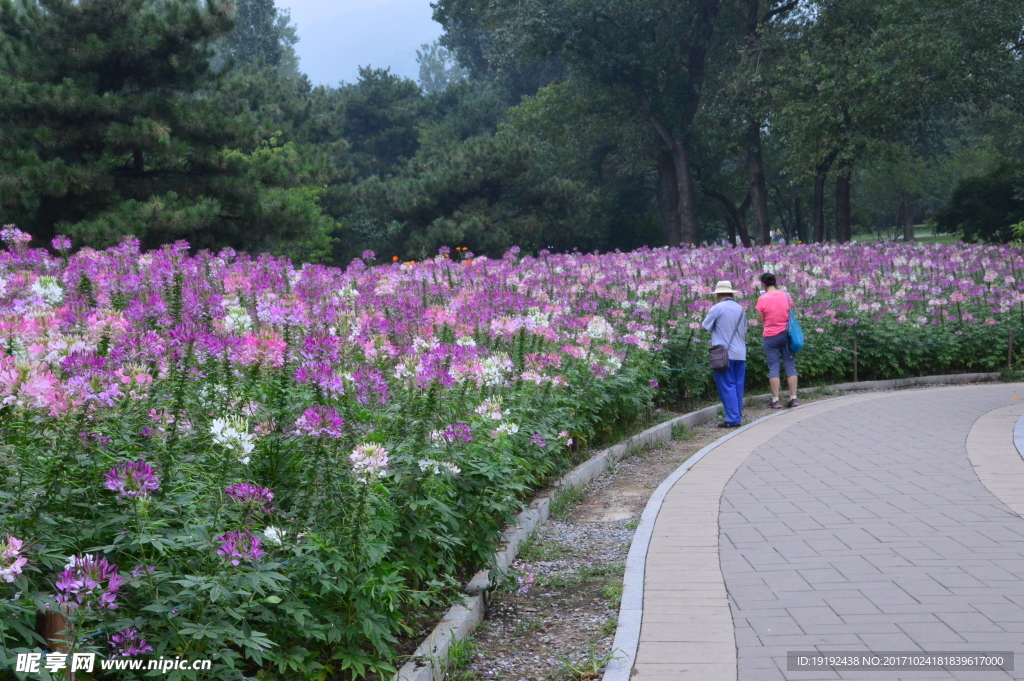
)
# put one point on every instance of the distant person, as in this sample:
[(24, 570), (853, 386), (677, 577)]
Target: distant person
[(727, 322), (778, 238), (773, 311)]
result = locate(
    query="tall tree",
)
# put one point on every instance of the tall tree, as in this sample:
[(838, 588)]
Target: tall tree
[(438, 67), (752, 95), (650, 54), (260, 35), (863, 70)]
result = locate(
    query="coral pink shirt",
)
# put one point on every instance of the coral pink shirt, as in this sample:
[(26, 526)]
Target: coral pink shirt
[(775, 307)]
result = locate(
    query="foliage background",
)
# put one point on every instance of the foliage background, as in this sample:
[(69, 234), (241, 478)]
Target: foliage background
[(559, 124)]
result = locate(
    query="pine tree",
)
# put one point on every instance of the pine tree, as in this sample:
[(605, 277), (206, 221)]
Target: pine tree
[(113, 123)]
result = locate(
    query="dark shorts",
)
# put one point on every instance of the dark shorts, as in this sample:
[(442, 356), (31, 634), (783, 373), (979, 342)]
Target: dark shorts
[(776, 347)]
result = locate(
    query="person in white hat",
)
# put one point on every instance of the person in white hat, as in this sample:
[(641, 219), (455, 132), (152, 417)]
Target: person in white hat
[(727, 322)]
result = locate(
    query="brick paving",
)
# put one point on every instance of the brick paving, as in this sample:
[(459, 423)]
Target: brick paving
[(865, 527), (878, 522)]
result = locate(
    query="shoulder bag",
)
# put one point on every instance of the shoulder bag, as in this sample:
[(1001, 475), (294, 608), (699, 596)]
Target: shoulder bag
[(718, 355), (796, 334)]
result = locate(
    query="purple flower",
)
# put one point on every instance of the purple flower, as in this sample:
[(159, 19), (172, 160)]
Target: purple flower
[(98, 438), (61, 243), (129, 643), (370, 386), (538, 441), (10, 234), (239, 545), (132, 479), (654, 384), (82, 582), (320, 422), (369, 255), (525, 582), (453, 434), (254, 498), (140, 570)]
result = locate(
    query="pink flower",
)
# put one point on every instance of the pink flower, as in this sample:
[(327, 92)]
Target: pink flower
[(11, 560), (368, 462)]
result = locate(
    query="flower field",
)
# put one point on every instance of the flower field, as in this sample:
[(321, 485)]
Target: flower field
[(286, 469)]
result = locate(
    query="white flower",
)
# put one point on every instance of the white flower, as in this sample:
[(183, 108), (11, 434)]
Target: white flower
[(495, 367), (598, 327), (231, 433), (507, 428), (465, 342), (435, 466), (75, 560), (422, 345), (237, 319), (491, 409), (348, 292), (48, 289), (368, 462), (274, 535), (406, 368)]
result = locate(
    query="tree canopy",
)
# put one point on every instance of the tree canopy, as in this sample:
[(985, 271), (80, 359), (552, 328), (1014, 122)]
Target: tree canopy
[(554, 124)]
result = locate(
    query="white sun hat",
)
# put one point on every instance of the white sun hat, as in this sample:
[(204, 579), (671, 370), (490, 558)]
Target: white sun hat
[(724, 286)]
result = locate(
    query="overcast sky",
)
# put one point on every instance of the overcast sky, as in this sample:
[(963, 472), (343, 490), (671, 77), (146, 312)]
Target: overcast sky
[(336, 37)]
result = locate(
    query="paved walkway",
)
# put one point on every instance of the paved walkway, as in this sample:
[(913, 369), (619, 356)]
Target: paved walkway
[(881, 522)]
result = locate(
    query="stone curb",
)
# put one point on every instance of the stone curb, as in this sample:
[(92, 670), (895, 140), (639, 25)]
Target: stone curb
[(427, 663), (1018, 436), (627, 634)]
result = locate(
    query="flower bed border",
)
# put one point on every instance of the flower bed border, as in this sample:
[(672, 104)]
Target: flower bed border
[(428, 663)]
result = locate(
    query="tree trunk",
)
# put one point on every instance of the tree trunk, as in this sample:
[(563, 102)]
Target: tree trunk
[(818, 208), (798, 221), (668, 198), (758, 188), (907, 218), (736, 215), (843, 219), (818, 205), (731, 226), (741, 222), (689, 227), (908, 232)]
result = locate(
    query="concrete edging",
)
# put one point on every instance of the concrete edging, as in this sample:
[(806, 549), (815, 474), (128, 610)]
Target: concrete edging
[(995, 454), (428, 661), (1018, 436)]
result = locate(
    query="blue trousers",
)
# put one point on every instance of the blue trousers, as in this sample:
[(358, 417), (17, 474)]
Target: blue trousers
[(730, 389)]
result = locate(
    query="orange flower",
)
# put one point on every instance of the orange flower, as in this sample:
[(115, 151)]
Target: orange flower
[(394, 258)]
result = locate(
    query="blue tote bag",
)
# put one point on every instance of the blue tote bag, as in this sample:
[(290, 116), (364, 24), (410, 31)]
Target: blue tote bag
[(796, 334)]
